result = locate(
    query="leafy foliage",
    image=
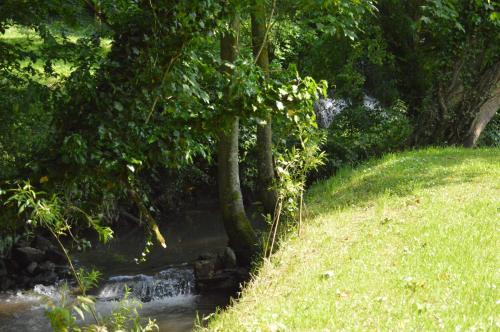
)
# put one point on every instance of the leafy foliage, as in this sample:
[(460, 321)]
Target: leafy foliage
[(360, 133), (109, 102)]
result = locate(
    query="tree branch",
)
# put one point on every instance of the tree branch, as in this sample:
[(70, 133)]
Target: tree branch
[(153, 226)]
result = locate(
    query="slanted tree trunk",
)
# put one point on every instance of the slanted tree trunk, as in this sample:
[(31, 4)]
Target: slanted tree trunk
[(489, 90), (483, 116), (463, 111), (242, 238), (265, 165)]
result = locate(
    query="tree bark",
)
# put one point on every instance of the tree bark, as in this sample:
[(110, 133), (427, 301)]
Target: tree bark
[(265, 165), (483, 117), (488, 86), (242, 238)]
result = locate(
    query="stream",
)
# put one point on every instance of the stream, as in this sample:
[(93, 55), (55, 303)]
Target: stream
[(164, 284)]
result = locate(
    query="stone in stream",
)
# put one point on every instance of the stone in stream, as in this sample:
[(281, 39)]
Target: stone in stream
[(219, 272), (22, 243), (42, 243), (12, 266), (32, 262), (207, 256), (47, 266), (204, 268), (25, 255), (55, 256), (6, 283), (31, 267), (225, 279), (63, 271), (3, 268), (45, 278), (24, 281)]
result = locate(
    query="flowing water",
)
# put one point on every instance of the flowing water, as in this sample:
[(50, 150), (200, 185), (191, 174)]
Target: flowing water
[(171, 302), (172, 282), (327, 109), (164, 285)]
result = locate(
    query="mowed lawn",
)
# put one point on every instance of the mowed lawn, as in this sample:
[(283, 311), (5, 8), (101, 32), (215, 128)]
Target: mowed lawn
[(406, 243)]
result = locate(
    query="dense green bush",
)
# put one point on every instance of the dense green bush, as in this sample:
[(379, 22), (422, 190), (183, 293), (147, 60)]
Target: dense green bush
[(359, 133), (26, 130)]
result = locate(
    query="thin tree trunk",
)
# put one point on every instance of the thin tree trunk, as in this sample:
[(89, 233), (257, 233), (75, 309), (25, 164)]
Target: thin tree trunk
[(242, 238), (153, 226), (265, 166)]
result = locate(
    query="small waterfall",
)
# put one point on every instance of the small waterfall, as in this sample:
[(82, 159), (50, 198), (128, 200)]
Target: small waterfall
[(49, 291), (327, 109), (174, 281), (371, 103)]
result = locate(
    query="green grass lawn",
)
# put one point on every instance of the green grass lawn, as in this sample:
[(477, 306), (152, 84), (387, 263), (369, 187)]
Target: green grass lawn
[(406, 243)]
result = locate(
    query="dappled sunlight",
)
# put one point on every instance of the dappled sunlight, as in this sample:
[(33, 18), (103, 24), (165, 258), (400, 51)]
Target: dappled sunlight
[(29, 40)]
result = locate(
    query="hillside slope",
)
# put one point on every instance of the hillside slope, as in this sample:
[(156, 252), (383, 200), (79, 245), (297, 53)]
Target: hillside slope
[(408, 242)]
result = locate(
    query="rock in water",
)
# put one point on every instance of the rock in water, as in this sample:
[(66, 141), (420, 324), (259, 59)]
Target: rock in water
[(47, 266), (31, 267), (45, 278), (6, 283), (3, 268), (55, 256), (204, 268), (42, 243), (207, 256), (226, 279), (25, 255)]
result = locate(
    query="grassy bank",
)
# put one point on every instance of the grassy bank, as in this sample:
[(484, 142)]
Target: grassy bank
[(408, 242)]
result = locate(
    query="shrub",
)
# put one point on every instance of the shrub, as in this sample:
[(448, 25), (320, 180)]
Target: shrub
[(359, 133)]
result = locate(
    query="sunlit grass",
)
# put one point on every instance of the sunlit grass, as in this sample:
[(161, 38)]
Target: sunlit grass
[(406, 243), (29, 40)]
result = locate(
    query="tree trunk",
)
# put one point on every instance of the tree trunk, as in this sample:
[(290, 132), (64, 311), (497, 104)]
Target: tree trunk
[(265, 165), (242, 238), (488, 86), (483, 116)]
